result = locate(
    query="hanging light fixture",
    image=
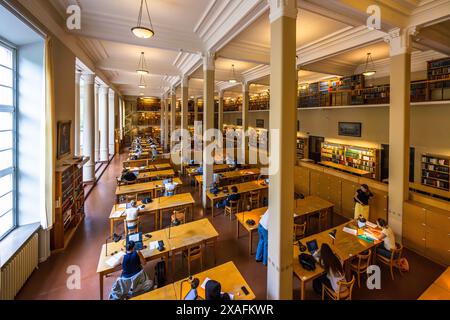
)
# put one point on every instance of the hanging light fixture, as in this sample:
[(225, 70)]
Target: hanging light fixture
[(140, 30), (142, 84), (369, 70), (233, 75), (142, 67)]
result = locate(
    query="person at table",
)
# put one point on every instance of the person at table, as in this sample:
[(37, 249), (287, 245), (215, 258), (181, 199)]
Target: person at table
[(128, 176), (154, 153), (388, 237), (169, 187), (132, 214), (333, 268), (213, 291), (263, 244), (361, 199), (133, 281), (233, 196)]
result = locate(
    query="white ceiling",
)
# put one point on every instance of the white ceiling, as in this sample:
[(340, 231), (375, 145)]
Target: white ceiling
[(331, 38)]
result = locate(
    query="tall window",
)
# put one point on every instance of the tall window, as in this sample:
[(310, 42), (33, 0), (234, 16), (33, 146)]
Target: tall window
[(7, 139)]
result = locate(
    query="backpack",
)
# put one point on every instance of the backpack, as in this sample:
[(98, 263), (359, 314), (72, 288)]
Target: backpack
[(403, 265), (160, 274)]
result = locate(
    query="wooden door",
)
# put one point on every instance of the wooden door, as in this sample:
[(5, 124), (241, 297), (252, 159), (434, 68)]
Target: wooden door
[(348, 204), (378, 206)]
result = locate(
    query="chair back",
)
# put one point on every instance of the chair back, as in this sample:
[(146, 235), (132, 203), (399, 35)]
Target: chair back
[(254, 198), (133, 230), (299, 230), (179, 215), (194, 252), (363, 261), (396, 253), (345, 289)]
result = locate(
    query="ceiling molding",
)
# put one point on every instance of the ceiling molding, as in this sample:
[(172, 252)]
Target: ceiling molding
[(256, 73)]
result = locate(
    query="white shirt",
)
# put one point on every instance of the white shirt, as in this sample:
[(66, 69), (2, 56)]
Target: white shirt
[(132, 214), (389, 240), (170, 186), (264, 222), (334, 279)]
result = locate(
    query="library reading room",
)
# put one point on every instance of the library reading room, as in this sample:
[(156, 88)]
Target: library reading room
[(257, 150)]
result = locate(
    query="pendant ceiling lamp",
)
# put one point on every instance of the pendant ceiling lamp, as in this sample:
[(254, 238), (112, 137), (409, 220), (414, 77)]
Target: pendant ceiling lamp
[(233, 75), (142, 67), (140, 30), (142, 83), (369, 69)]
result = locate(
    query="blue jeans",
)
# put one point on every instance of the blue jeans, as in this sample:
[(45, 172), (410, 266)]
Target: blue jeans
[(261, 252)]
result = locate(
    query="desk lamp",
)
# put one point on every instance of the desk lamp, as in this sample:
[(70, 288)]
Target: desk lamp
[(175, 222), (116, 238), (332, 235)]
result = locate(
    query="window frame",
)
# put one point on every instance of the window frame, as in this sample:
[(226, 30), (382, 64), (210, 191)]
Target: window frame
[(13, 110)]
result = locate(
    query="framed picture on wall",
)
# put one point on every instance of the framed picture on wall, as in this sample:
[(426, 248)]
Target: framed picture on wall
[(63, 140), (260, 123), (239, 122), (350, 129)]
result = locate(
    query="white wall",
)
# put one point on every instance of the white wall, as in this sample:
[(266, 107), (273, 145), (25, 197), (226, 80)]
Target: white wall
[(30, 112)]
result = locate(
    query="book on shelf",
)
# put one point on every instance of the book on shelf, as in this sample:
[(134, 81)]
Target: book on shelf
[(436, 171)]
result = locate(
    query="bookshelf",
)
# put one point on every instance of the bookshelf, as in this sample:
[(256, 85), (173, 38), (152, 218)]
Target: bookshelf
[(302, 148), (438, 69), (376, 95), (436, 171), (69, 197), (352, 156), (148, 104)]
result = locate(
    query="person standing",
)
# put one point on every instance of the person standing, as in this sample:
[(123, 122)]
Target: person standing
[(263, 244), (361, 198)]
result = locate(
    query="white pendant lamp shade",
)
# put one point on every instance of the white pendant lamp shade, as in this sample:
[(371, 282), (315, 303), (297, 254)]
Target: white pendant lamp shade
[(233, 75), (142, 66), (369, 69), (140, 30)]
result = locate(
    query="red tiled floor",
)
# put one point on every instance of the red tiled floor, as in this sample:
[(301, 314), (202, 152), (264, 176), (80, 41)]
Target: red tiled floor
[(49, 282)]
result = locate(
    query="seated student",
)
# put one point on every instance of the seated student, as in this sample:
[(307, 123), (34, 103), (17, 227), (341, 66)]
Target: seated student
[(214, 188), (213, 291), (388, 238), (361, 199), (333, 267), (133, 281), (132, 213), (170, 187), (128, 176), (200, 170), (154, 153), (233, 196)]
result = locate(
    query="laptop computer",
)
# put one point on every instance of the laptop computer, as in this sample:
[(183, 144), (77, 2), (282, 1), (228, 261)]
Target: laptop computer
[(312, 246), (137, 238)]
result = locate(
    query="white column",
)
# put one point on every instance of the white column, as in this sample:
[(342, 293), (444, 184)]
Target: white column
[(220, 122), (399, 125), (96, 124), (208, 120), (103, 123), (173, 114), (89, 127), (283, 114), (166, 123), (195, 109), (112, 120), (185, 149), (245, 120), (76, 140), (162, 127)]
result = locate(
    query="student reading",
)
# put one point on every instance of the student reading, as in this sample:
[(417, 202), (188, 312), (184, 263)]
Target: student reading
[(333, 268)]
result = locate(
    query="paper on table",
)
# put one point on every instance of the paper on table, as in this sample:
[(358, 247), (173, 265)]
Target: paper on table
[(115, 259), (122, 206), (351, 231), (117, 214), (204, 283), (153, 245)]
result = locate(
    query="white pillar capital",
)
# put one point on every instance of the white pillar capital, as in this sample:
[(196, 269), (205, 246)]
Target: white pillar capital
[(184, 81), (77, 77), (103, 89), (400, 40), (245, 86), (111, 92), (209, 62), (221, 94), (89, 78), (282, 8)]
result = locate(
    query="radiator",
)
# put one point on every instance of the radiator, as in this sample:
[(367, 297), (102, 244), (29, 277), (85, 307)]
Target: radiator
[(17, 271)]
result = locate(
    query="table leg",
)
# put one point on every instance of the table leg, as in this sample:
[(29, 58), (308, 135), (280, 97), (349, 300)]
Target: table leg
[(160, 219), (173, 262), (101, 285), (250, 242), (111, 227), (237, 228), (212, 209), (302, 290)]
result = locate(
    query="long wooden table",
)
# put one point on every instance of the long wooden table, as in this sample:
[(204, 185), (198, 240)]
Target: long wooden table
[(229, 176), (346, 246), (192, 171), (243, 188), (440, 289), (150, 187), (229, 277), (151, 167), (164, 293), (103, 268), (155, 174), (157, 207), (312, 205), (199, 232), (355, 171)]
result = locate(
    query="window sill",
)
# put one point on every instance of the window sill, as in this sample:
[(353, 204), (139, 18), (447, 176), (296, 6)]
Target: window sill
[(14, 241)]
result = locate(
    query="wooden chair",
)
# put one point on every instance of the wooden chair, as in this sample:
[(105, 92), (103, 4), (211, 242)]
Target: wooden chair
[(344, 292), (232, 209), (131, 231), (396, 255), (299, 230), (127, 198), (141, 196), (180, 215), (193, 253), (360, 264), (254, 198)]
